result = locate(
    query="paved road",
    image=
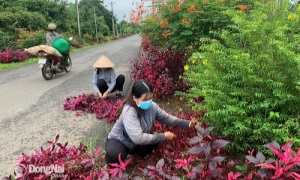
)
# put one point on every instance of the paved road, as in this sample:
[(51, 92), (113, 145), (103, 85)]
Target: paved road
[(31, 108)]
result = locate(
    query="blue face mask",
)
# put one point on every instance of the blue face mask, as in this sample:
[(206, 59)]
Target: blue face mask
[(145, 105)]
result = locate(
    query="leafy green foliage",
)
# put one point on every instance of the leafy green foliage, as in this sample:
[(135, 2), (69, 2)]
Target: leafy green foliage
[(179, 24), (249, 76), (33, 16), (86, 10)]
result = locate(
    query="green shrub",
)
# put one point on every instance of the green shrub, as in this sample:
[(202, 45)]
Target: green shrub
[(249, 75), (4, 39), (30, 39), (88, 38)]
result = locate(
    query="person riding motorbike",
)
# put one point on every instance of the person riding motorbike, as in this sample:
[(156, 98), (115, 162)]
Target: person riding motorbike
[(51, 36)]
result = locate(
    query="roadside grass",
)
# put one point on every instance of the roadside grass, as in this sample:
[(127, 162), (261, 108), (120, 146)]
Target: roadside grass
[(92, 142), (14, 65), (8, 66)]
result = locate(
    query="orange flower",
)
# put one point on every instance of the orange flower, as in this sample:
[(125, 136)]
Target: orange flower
[(243, 7), (186, 22), (164, 23), (193, 7), (166, 34), (176, 9)]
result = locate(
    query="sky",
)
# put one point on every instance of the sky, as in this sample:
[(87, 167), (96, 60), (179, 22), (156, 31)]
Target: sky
[(121, 7)]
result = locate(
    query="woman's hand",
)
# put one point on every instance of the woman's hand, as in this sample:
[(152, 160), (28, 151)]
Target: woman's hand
[(169, 135), (195, 124), (105, 95), (99, 95)]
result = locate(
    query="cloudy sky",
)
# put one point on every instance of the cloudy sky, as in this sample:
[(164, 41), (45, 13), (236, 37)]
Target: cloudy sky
[(121, 7)]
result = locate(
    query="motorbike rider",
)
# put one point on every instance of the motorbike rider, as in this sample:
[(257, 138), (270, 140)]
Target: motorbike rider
[(51, 36)]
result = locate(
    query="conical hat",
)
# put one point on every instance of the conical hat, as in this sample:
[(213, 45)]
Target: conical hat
[(103, 62)]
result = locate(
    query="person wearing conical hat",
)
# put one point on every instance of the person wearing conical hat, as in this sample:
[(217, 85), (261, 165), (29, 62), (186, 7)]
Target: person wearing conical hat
[(51, 34), (104, 78)]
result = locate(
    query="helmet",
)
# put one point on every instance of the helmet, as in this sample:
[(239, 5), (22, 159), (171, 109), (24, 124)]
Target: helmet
[(51, 26)]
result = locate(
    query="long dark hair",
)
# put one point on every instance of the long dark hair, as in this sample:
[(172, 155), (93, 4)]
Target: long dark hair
[(139, 88)]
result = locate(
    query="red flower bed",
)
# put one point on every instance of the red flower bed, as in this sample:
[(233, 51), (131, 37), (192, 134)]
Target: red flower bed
[(160, 68), (10, 56)]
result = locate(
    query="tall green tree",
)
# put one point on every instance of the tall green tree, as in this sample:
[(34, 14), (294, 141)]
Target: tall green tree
[(86, 9)]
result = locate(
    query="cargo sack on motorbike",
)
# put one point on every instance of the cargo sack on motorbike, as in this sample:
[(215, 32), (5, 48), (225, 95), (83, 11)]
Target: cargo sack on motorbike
[(48, 49), (61, 45)]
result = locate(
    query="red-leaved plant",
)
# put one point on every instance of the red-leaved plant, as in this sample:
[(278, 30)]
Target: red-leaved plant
[(160, 68), (287, 163), (208, 148), (119, 169), (90, 103), (73, 160), (10, 56)]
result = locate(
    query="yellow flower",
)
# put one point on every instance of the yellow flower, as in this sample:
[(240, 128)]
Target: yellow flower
[(186, 67), (205, 61), (180, 77), (180, 110), (181, 98), (191, 100), (291, 16), (193, 61)]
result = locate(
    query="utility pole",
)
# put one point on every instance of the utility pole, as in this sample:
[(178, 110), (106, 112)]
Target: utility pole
[(96, 24), (117, 29), (78, 22), (112, 18)]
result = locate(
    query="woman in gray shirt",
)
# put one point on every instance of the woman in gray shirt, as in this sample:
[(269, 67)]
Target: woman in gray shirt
[(104, 78), (131, 133)]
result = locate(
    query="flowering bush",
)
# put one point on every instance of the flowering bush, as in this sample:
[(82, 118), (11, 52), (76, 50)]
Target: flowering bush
[(163, 69), (10, 56), (181, 23)]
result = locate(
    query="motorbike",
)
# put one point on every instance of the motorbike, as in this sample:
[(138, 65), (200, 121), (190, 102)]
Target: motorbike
[(52, 64)]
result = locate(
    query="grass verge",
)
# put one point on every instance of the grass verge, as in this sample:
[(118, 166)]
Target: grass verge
[(9, 66)]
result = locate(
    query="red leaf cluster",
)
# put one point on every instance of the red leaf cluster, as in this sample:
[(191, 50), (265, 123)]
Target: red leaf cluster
[(160, 68), (10, 56), (90, 103), (73, 160)]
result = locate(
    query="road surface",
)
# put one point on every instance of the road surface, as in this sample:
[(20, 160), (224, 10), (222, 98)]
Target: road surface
[(31, 108)]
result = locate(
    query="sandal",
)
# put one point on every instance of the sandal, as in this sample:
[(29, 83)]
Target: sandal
[(119, 95)]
